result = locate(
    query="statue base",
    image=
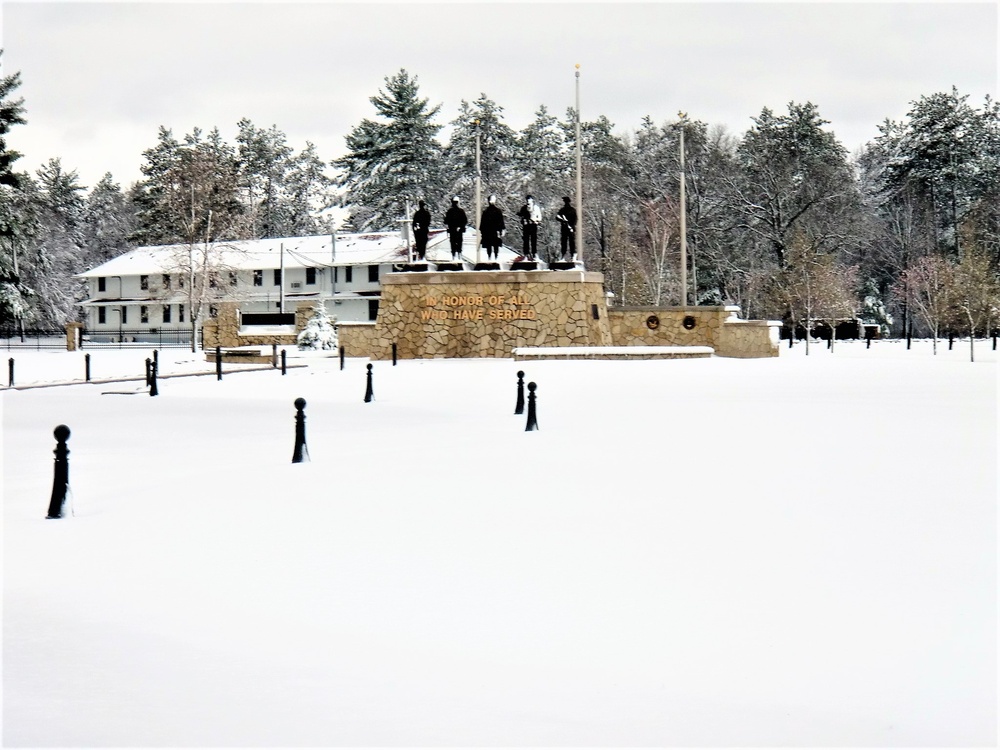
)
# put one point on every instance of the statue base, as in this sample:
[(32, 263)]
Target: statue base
[(490, 266), (524, 265), (450, 266), (562, 265), (418, 265)]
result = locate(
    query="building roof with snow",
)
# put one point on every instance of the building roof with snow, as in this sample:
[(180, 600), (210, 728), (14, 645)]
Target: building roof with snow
[(314, 251)]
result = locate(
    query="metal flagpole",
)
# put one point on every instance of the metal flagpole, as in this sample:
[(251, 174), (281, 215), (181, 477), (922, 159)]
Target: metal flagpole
[(684, 288), (579, 176), (281, 276), (479, 197)]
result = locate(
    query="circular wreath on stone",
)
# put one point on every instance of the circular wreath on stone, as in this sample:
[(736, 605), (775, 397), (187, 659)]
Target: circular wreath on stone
[(652, 322), (688, 322)]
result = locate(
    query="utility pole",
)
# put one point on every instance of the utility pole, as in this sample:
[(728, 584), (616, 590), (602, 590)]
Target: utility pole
[(579, 175)]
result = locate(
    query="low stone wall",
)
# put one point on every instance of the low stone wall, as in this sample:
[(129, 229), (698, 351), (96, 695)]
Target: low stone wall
[(717, 327), (358, 339), (750, 338), (488, 313), (224, 329)]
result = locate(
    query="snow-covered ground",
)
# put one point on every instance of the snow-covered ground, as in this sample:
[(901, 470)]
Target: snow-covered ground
[(796, 551)]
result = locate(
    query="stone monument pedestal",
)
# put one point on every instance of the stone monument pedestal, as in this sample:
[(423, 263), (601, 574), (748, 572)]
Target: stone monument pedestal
[(488, 313)]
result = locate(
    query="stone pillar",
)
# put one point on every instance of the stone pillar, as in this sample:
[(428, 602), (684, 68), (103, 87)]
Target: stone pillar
[(73, 335)]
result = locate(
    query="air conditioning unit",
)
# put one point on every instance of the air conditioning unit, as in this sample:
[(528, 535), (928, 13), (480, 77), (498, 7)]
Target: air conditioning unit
[(296, 285)]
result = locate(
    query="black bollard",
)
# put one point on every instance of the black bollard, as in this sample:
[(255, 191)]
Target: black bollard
[(994, 340), (10, 372), (341, 358), (519, 406), (156, 358), (218, 363), (153, 390), (393, 353), (149, 372), (60, 479), (868, 340), (301, 452), (274, 355), (86, 366), (951, 340), (791, 339), (909, 337), (532, 415), (369, 393), (283, 363)]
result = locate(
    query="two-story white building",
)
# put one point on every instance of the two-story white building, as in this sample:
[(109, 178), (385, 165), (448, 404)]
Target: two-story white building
[(144, 293)]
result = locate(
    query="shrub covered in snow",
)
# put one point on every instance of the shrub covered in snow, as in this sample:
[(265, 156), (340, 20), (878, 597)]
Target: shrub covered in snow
[(319, 332)]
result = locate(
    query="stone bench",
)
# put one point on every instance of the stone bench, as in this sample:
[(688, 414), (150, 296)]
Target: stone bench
[(612, 352)]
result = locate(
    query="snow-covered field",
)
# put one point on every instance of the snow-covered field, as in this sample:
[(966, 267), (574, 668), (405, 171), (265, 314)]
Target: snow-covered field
[(797, 551)]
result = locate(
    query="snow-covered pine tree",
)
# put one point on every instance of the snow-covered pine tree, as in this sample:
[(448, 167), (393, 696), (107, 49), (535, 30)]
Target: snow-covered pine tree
[(873, 308), (320, 331), (496, 150), (54, 253), (392, 160), (14, 295)]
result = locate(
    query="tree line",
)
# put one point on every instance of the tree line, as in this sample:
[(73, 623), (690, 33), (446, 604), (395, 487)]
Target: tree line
[(781, 219)]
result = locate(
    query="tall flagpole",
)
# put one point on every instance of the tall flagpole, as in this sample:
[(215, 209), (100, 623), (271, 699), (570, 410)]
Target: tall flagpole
[(684, 288), (479, 198), (579, 176)]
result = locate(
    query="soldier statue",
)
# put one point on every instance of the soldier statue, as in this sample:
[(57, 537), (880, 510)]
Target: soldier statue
[(421, 224), (456, 221), (531, 216), (492, 228), (567, 230)]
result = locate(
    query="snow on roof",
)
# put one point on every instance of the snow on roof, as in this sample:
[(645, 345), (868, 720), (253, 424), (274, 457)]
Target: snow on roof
[(299, 252), (309, 251)]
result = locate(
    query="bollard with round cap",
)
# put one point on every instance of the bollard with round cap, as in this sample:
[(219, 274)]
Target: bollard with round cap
[(519, 406), (532, 413), (301, 452), (369, 391), (60, 479)]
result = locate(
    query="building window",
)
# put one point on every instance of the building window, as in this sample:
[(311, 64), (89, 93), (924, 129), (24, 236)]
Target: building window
[(310, 275), (258, 278), (180, 313), (144, 282), (124, 314), (277, 277), (102, 315), (372, 309), (102, 284), (166, 281), (348, 274), (166, 313), (143, 314), (373, 273)]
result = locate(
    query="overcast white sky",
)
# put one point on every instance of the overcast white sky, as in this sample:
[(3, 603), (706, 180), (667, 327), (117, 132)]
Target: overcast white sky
[(100, 78)]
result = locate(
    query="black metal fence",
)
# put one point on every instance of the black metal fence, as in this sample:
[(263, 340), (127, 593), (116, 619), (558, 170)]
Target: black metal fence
[(135, 338), (32, 338)]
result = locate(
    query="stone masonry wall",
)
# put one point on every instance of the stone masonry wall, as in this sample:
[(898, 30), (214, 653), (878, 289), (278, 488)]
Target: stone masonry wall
[(358, 339), (224, 329), (488, 313), (717, 327)]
